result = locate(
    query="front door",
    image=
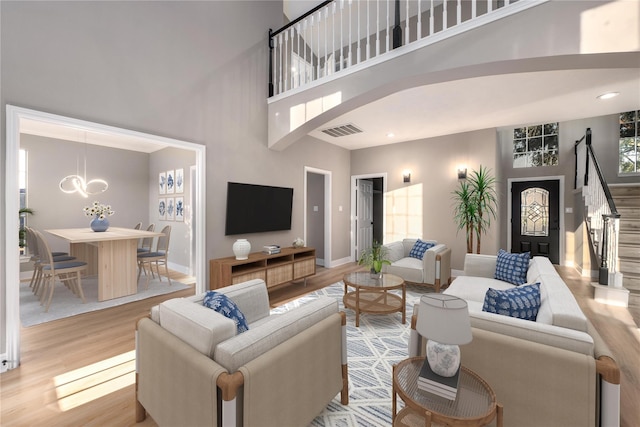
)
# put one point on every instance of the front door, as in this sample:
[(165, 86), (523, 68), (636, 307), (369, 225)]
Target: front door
[(535, 218)]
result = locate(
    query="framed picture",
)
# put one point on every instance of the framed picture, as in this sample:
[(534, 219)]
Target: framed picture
[(162, 182), (179, 207), (162, 208), (171, 182), (179, 181), (171, 209)]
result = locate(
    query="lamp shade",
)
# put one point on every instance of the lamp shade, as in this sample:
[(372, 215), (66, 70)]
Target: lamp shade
[(444, 318)]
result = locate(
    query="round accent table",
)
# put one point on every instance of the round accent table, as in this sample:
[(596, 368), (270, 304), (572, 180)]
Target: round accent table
[(370, 295), (475, 403)]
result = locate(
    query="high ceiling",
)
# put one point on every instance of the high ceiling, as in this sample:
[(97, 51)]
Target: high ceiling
[(487, 102)]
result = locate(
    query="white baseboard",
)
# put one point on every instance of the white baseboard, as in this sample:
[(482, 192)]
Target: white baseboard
[(456, 273), (179, 268), (339, 262)]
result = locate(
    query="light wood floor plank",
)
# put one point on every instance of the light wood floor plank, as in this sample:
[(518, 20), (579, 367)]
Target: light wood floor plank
[(29, 395)]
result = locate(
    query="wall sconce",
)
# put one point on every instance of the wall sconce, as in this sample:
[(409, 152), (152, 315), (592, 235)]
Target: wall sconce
[(462, 173), (406, 175)]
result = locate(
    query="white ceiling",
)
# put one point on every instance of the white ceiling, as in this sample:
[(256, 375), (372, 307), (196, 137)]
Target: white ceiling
[(487, 102)]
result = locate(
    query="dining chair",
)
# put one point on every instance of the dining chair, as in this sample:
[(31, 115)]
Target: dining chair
[(147, 242), (68, 272), (138, 226), (157, 257), (32, 246)]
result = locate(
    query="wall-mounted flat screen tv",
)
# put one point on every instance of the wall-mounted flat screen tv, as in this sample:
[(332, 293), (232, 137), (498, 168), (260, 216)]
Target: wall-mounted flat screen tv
[(257, 208)]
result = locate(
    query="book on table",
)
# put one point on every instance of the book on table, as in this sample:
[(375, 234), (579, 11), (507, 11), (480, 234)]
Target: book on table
[(431, 382), (271, 249)]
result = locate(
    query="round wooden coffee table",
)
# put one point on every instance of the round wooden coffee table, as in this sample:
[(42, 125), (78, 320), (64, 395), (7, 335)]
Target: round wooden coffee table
[(370, 295)]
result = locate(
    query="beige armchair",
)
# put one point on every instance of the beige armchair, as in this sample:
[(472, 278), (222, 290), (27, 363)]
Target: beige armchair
[(193, 369), (433, 269)]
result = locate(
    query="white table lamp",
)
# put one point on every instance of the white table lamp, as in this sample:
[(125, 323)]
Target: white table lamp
[(444, 321)]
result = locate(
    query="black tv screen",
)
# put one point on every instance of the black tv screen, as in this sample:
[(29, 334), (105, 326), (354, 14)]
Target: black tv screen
[(257, 208)]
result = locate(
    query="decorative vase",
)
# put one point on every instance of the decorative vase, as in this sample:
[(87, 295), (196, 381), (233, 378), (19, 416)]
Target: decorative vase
[(375, 274), (241, 248), (444, 359), (99, 225)]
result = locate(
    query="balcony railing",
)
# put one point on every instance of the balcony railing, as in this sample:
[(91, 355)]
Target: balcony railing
[(341, 34), (602, 217)]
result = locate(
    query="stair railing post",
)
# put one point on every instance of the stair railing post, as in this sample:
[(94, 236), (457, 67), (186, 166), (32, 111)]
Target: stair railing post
[(603, 273), (397, 30), (270, 62)]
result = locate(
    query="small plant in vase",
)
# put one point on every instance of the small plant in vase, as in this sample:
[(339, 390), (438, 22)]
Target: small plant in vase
[(99, 212), (374, 257)]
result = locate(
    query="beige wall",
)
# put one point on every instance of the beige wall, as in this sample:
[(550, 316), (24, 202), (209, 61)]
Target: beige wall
[(433, 163)]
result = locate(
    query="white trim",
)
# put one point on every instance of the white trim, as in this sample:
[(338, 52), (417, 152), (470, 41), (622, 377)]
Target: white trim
[(341, 261), (354, 188), (327, 263), (561, 231), (12, 275)]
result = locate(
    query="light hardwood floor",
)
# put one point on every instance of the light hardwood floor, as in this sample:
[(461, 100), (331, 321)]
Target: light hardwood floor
[(79, 371)]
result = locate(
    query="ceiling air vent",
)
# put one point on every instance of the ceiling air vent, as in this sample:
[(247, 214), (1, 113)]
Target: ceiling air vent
[(343, 130)]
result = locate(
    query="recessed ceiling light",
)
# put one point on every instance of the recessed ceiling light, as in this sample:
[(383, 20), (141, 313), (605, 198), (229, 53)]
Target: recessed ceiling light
[(608, 95), (390, 135)]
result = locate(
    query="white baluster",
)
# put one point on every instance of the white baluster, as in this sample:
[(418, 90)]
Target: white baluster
[(474, 11), (388, 28), (368, 43), (341, 59), (358, 36), (489, 6), (277, 51), (317, 75), (406, 25), (445, 8), (350, 54), (281, 49), (377, 27), (459, 14), (431, 20), (419, 32), (333, 37), (303, 73)]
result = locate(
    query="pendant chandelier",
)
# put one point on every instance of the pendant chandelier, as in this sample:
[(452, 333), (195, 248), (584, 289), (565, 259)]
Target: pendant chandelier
[(79, 184)]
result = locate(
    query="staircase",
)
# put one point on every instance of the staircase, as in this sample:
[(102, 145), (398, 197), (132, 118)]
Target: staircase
[(627, 200)]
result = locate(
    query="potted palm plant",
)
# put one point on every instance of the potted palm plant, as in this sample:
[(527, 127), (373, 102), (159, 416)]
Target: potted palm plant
[(476, 202), (374, 257)]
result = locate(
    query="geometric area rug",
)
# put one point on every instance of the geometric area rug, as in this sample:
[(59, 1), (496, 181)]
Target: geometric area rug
[(66, 304), (372, 349)]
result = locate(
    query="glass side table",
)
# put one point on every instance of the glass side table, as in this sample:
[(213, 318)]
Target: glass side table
[(475, 403), (372, 295)]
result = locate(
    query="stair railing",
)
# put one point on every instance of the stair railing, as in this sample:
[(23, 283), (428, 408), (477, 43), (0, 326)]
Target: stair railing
[(601, 216), (340, 34)]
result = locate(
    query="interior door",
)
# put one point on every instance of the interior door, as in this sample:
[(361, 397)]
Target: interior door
[(535, 218), (364, 215)]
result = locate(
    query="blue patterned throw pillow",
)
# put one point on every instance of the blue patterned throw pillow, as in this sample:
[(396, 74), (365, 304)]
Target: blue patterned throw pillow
[(419, 248), (512, 268), (225, 306), (522, 302)]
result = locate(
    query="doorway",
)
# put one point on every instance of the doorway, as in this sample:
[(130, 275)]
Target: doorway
[(16, 115), (317, 213), (367, 211), (535, 218)]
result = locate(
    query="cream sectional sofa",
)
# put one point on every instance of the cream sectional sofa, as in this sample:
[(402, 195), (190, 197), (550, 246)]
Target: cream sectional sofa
[(555, 371), (433, 269), (192, 368)]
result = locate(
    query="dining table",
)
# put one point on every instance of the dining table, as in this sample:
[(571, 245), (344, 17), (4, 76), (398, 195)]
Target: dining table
[(112, 255)]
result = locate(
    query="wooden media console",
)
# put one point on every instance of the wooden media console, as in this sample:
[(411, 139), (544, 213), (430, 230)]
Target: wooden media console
[(290, 264)]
